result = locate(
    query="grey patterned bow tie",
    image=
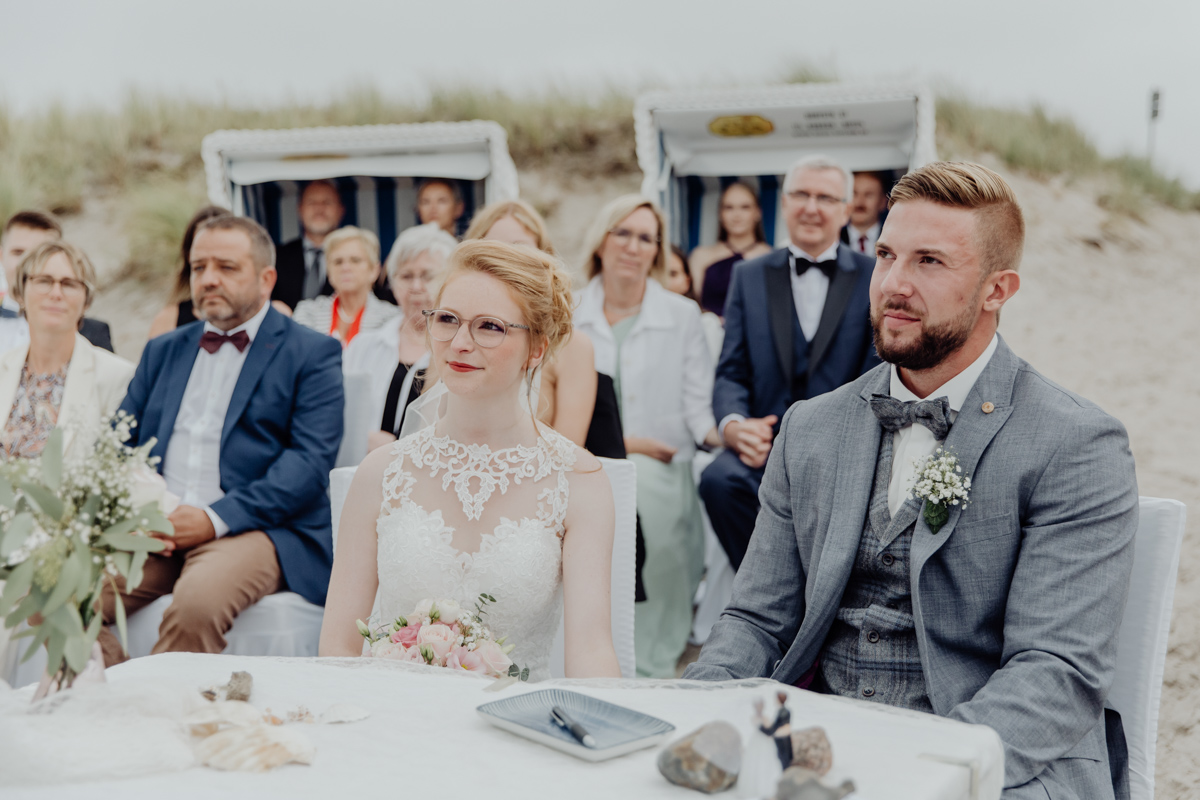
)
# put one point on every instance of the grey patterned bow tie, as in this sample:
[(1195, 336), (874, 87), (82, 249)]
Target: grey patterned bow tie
[(895, 414)]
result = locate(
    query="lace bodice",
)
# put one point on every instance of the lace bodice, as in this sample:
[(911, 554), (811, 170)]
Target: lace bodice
[(460, 520)]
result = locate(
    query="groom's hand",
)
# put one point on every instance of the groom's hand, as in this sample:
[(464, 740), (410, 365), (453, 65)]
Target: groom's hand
[(192, 528), (751, 439)]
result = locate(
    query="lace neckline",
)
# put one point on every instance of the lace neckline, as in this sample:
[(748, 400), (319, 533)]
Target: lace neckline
[(459, 464)]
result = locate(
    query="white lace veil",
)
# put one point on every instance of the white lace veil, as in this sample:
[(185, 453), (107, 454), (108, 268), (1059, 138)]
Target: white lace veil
[(427, 409)]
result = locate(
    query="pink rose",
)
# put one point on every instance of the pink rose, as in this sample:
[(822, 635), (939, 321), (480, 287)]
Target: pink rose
[(385, 649), (493, 657), (406, 636), (462, 658), (412, 654), (440, 640)]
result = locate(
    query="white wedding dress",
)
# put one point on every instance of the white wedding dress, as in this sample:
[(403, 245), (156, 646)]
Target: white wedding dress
[(440, 497)]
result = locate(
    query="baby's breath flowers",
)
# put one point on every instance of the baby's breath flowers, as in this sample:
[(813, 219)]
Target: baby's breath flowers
[(940, 483)]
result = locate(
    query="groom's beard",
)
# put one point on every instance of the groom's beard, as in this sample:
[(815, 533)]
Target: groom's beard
[(935, 343)]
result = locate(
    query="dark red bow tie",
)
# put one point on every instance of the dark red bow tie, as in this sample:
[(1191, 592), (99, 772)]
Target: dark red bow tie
[(212, 341)]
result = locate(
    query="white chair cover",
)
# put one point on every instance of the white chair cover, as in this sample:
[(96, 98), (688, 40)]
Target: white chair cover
[(622, 475), (357, 424), (1142, 650)]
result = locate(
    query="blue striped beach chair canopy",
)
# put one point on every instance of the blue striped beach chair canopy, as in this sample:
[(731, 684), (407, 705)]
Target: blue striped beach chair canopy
[(376, 168), (692, 144)]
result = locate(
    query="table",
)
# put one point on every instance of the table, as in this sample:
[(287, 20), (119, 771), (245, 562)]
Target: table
[(424, 738)]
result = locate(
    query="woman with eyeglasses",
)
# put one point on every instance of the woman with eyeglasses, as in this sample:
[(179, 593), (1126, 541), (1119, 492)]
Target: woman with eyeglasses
[(651, 342), (396, 354), (487, 499), (59, 379), (740, 238)]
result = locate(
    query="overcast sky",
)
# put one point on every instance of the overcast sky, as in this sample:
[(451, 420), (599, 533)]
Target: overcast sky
[(1095, 61)]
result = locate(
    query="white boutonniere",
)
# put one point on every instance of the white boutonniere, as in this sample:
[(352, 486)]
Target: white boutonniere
[(941, 484)]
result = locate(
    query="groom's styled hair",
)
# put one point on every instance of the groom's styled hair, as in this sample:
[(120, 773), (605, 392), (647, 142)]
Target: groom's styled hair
[(1000, 231)]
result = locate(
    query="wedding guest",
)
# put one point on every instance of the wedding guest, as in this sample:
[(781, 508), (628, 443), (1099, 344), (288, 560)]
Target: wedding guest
[(353, 258), (796, 326), (439, 200), (396, 353), (22, 232), (566, 385), (245, 412), (740, 237), (868, 210), (301, 263), (57, 378), (1002, 610), (651, 342), (180, 312), (412, 510), (679, 280)]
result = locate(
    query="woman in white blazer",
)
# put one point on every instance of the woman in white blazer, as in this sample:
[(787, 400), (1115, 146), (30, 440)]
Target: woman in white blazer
[(352, 259), (58, 379), (652, 344)]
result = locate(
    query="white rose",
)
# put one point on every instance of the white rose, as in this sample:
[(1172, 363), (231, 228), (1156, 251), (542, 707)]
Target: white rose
[(449, 610), (147, 486), (421, 612)]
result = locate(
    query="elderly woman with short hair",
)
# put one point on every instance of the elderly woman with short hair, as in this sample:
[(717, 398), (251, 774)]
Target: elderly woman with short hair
[(352, 267), (58, 379), (396, 354)]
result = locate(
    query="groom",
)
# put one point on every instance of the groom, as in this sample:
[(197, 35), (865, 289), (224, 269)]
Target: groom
[(1005, 615), (246, 411)]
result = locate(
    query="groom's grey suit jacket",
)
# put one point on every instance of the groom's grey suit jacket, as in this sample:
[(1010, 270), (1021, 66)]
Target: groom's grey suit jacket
[(1016, 600)]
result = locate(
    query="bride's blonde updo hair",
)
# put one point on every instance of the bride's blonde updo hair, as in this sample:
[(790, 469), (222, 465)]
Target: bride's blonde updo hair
[(538, 282)]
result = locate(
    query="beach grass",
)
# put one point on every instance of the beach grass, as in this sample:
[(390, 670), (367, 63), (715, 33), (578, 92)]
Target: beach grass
[(147, 150)]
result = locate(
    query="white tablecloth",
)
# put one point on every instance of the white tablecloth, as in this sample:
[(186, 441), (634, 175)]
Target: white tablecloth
[(425, 740)]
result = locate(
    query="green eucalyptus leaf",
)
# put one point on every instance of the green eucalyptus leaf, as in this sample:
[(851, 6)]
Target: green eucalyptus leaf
[(90, 507), (68, 584), (18, 583), (77, 651), (119, 606), (41, 634), (124, 526), (16, 533), (45, 499), (8, 497), (30, 605), (52, 461), (130, 542), (155, 520), (134, 578), (121, 561), (55, 644)]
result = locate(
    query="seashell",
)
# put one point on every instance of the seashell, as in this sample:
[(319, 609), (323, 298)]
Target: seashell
[(811, 749), (302, 715), (270, 718), (256, 748), (342, 712), (209, 719), (239, 687)]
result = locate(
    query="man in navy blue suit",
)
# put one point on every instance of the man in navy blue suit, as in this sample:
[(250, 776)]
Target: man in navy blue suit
[(797, 324), (246, 412)]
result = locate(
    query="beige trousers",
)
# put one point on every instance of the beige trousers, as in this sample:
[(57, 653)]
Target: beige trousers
[(211, 584)]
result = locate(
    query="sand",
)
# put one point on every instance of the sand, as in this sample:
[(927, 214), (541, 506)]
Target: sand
[(1107, 308)]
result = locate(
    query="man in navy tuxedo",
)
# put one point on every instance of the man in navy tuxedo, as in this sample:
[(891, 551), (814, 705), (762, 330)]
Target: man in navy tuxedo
[(797, 324), (246, 412), (300, 263)]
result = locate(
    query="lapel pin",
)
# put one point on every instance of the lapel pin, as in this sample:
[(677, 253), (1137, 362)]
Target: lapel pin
[(988, 408)]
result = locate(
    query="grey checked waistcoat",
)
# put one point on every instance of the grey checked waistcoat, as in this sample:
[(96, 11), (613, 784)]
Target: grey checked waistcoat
[(871, 651)]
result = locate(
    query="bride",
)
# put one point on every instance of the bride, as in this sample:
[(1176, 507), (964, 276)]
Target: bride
[(486, 500)]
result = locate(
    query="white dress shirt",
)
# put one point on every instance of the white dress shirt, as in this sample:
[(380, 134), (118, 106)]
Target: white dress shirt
[(916, 441), (809, 290), (14, 331), (864, 241), (192, 465)]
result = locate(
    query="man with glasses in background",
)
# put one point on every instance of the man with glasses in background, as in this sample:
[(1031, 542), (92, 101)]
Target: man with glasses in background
[(797, 324)]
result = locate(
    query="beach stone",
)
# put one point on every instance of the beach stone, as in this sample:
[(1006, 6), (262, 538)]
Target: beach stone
[(708, 759), (811, 749), (799, 783)]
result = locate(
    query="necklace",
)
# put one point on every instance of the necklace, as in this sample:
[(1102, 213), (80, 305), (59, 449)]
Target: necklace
[(343, 316)]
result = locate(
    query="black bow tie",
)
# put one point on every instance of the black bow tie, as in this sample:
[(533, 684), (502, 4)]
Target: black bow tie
[(894, 414), (802, 265), (211, 341)]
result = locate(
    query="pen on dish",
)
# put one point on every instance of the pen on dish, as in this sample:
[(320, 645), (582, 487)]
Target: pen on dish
[(563, 720)]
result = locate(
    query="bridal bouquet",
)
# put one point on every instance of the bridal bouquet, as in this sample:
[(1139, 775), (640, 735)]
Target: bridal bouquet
[(443, 634), (66, 530)]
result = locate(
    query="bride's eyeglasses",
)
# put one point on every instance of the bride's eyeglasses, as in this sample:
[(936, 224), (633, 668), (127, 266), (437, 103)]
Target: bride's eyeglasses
[(485, 331)]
